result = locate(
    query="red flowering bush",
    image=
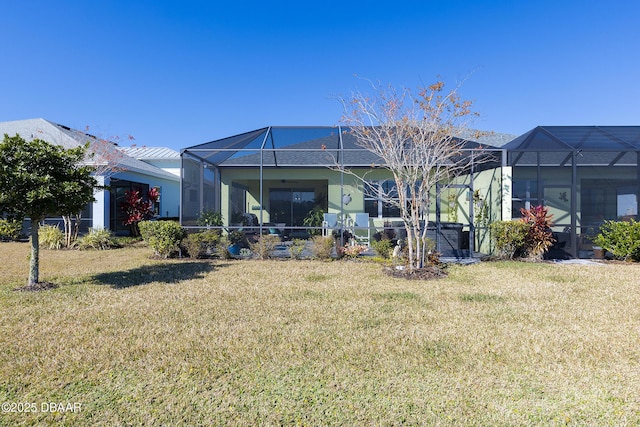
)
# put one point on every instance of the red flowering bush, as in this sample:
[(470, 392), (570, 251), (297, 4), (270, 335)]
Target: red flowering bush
[(539, 237), (138, 208)]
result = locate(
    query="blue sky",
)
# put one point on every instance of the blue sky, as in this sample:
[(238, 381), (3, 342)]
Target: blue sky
[(179, 73)]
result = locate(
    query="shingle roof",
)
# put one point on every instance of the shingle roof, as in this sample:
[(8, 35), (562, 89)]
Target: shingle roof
[(69, 138)]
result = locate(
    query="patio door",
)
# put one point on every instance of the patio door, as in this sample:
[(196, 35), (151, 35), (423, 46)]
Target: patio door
[(290, 205)]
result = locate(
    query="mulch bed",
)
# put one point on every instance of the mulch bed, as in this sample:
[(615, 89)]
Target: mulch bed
[(40, 286), (426, 273)]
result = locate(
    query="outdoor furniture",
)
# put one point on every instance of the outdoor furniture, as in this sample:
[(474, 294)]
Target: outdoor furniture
[(361, 228), (330, 221)]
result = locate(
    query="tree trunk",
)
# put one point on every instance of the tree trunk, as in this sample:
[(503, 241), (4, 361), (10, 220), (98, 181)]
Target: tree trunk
[(76, 227), (34, 261), (67, 230)]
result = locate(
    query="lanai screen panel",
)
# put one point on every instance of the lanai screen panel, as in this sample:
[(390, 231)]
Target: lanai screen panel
[(292, 147), (355, 155), (217, 152), (191, 189)]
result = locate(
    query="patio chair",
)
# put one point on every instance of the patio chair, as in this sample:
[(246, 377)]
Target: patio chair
[(330, 221), (361, 229)]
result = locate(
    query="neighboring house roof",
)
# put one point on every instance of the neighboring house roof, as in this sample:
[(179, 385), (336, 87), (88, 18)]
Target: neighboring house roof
[(151, 153), (105, 151), (493, 139)]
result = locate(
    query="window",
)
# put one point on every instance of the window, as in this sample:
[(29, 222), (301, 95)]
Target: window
[(525, 195), (156, 205), (118, 189), (374, 199), (627, 202)]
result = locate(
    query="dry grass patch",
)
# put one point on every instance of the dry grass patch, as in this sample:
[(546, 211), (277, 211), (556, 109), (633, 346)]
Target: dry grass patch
[(316, 343)]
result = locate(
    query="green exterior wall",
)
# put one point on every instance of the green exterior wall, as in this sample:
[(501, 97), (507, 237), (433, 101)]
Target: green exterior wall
[(492, 185)]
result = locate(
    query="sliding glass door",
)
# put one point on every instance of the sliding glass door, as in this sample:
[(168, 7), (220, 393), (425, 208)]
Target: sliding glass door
[(290, 205)]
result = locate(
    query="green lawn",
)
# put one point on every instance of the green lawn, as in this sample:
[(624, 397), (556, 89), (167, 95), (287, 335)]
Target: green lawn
[(137, 341)]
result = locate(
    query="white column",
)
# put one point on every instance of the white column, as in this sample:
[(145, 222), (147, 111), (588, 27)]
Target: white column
[(507, 192), (101, 205)]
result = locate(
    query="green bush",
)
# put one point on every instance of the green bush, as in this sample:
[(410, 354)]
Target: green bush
[(509, 237), (123, 241), (621, 238), (314, 219), (222, 248), (383, 247), (198, 245), (163, 237), (264, 246), (10, 229), (209, 217), (97, 238), (296, 248), (50, 237), (236, 237), (321, 247)]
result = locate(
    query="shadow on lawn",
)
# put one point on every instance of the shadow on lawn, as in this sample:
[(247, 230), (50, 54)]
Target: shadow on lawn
[(162, 273)]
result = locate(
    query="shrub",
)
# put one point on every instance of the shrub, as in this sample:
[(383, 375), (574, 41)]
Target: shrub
[(539, 236), (50, 237), (163, 237), (222, 248), (127, 240), (433, 256), (383, 247), (137, 207), (386, 234), (264, 246), (198, 245), (236, 237), (621, 238), (314, 219), (321, 247), (352, 251), (296, 248), (10, 229), (346, 235), (97, 238), (509, 237), (209, 217)]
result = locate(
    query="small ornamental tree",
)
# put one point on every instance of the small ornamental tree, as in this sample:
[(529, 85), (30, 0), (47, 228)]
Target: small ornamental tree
[(39, 179), (415, 137), (138, 207)]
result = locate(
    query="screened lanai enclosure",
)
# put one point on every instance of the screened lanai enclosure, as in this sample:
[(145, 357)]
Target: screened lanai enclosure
[(584, 174), (292, 181)]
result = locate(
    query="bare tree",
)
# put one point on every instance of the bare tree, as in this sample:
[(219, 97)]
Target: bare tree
[(415, 138)]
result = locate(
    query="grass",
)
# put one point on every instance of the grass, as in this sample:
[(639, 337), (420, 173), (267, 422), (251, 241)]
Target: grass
[(146, 342)]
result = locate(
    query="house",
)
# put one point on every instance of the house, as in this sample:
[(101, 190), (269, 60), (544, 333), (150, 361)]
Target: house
[(115, 169), (161, 157), (281, 174), (584, 174)]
